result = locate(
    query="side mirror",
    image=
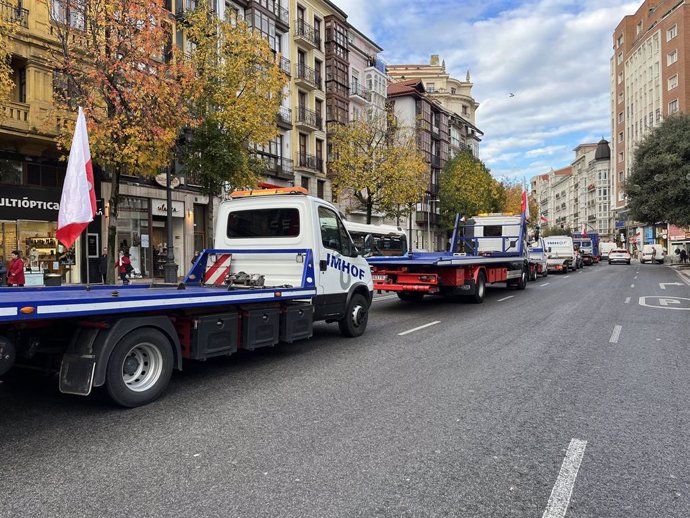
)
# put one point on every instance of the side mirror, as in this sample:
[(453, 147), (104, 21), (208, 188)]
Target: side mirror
[(368, 242)]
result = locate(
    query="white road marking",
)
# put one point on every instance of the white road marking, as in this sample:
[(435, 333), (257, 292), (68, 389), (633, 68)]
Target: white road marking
[(385, 297), (545, 284), (632, 285), (666, 303), (663, 285), (566, 276), (563, 490), (420, 327), (627, 300), (635, 276), (615, 335), (506, 298)]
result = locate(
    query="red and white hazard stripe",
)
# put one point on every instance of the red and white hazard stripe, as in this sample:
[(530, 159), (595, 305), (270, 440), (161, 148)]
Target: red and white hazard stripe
[(218, 271)]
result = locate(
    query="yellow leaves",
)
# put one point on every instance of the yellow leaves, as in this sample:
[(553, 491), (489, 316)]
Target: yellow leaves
[(377, 164), (7, 29)]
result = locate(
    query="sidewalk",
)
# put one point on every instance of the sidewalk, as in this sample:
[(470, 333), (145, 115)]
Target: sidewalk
[(682, 269)]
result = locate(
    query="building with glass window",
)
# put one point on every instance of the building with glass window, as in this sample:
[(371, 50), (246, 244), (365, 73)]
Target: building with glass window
[(649, 81)]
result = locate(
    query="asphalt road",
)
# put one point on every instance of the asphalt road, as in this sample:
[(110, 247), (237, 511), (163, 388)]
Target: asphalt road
[(567, 399)]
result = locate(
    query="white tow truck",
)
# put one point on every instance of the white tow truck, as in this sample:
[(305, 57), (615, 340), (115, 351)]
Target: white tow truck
[(284, 260)]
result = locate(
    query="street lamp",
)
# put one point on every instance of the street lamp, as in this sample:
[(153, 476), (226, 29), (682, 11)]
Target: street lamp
[(169, 268)]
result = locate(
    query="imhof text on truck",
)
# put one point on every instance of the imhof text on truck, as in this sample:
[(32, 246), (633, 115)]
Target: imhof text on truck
[(283, 260)]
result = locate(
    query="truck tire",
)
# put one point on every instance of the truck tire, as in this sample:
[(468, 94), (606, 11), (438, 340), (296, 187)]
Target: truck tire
[(533, 273), (354, 323), (521, 284), (479, 289), (545, 273), (139, 368), (410, 296)]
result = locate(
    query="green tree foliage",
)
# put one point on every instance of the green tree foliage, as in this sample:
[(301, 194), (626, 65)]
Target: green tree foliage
[(468, 188), (658, 188), (376, 163), (555, 231)]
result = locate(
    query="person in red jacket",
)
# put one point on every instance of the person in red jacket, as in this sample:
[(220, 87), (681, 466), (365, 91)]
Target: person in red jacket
[(124, 268), (15, 276)]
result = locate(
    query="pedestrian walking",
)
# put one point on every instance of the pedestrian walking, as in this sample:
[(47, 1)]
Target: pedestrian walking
[(103, 265), (196, 256), (3, 272), (124, 268), (683, 256), (16, 271)]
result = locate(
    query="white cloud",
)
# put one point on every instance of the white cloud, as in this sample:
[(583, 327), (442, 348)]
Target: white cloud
[(553, 54)]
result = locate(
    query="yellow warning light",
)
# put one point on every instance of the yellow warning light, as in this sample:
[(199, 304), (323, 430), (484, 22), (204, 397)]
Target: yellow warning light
[(27, 310), (265, 192)]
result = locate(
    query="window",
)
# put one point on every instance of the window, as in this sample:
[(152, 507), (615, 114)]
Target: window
[(305, 182), (320, 188), (638, 29), (620, 40), (620, 176), (673, 82), (620, 77), (672, 33), (263, 223), (673, 106), (621, 117), (465, 110), (621, 97), (620, 156), (620, 137), (453, 91), (64, 11), (619, 59), (431, 87), (333, 233), (671, 57)]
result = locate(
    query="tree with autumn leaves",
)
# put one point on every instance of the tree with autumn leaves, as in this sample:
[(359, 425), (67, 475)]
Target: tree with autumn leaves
[(239, 88), (7, 28), (117, 62), (376, 163)]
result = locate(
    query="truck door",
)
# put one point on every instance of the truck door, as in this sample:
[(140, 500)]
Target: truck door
[(339, 267)]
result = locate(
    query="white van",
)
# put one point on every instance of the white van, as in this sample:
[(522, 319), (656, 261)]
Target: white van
[(652, 254), (605, 248), (560, 253)]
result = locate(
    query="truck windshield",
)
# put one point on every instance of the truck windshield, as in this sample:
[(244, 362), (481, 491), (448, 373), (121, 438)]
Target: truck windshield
[(280, 222)]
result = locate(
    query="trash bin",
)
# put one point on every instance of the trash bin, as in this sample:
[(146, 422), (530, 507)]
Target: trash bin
[(52, 279)]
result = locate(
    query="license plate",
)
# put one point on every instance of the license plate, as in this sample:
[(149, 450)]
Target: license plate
[(380, 278)]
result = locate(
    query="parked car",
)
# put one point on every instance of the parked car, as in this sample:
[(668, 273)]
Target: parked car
[(619, 256), (652, 254)]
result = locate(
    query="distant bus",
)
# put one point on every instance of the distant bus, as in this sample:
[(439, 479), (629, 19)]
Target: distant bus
[(386, 239)]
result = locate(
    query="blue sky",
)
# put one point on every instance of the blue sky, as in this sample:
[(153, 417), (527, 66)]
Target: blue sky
[(554, 55)]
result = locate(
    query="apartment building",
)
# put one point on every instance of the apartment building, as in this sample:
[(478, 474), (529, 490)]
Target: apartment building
[(454, 95), (414, 109), (649, 81), (272, 19), (578, 195), (368, 78)]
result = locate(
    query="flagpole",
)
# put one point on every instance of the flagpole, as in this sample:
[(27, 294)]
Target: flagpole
[(86, 254)]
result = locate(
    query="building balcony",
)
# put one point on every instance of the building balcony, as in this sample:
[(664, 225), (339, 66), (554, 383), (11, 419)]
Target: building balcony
[(359, 92), (14, 14), (16, 116), (285, 66), (310, 162), (284, 118), (308, 119), (307, 77), (282, 14), (278, 167), (305, 33)]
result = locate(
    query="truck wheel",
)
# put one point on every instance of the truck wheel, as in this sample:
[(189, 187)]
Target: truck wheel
[(355, 321), (139, 368), (533, 274), (545, 273), (522, 283), (411, 296), (479, 289)]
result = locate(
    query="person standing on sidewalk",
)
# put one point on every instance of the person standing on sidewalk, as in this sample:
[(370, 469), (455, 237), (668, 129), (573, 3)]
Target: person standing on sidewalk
[(683, 256), (124, 268), (16, 275), (103, 265)]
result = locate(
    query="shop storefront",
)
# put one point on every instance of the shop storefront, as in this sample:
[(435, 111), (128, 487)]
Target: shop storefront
[(28, 221)]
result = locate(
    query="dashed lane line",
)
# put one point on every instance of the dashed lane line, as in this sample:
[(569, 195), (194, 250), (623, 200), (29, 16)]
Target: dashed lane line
[(627, 300), (506, 298), (545, 284), (563, 489), (420, 327), (632, 285), (615, 334)]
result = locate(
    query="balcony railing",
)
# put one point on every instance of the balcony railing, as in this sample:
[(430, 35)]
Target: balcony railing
[(14, 14), (285, 116), (310, 162), (436, 161), (307, 33), (356, 89), (284, 65), (310, 118), (282, 13), (308, 76), (278, 166)]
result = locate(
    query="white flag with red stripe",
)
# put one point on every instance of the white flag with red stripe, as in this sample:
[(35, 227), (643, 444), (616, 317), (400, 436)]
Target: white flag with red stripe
[(543, 218), (78, 201)]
